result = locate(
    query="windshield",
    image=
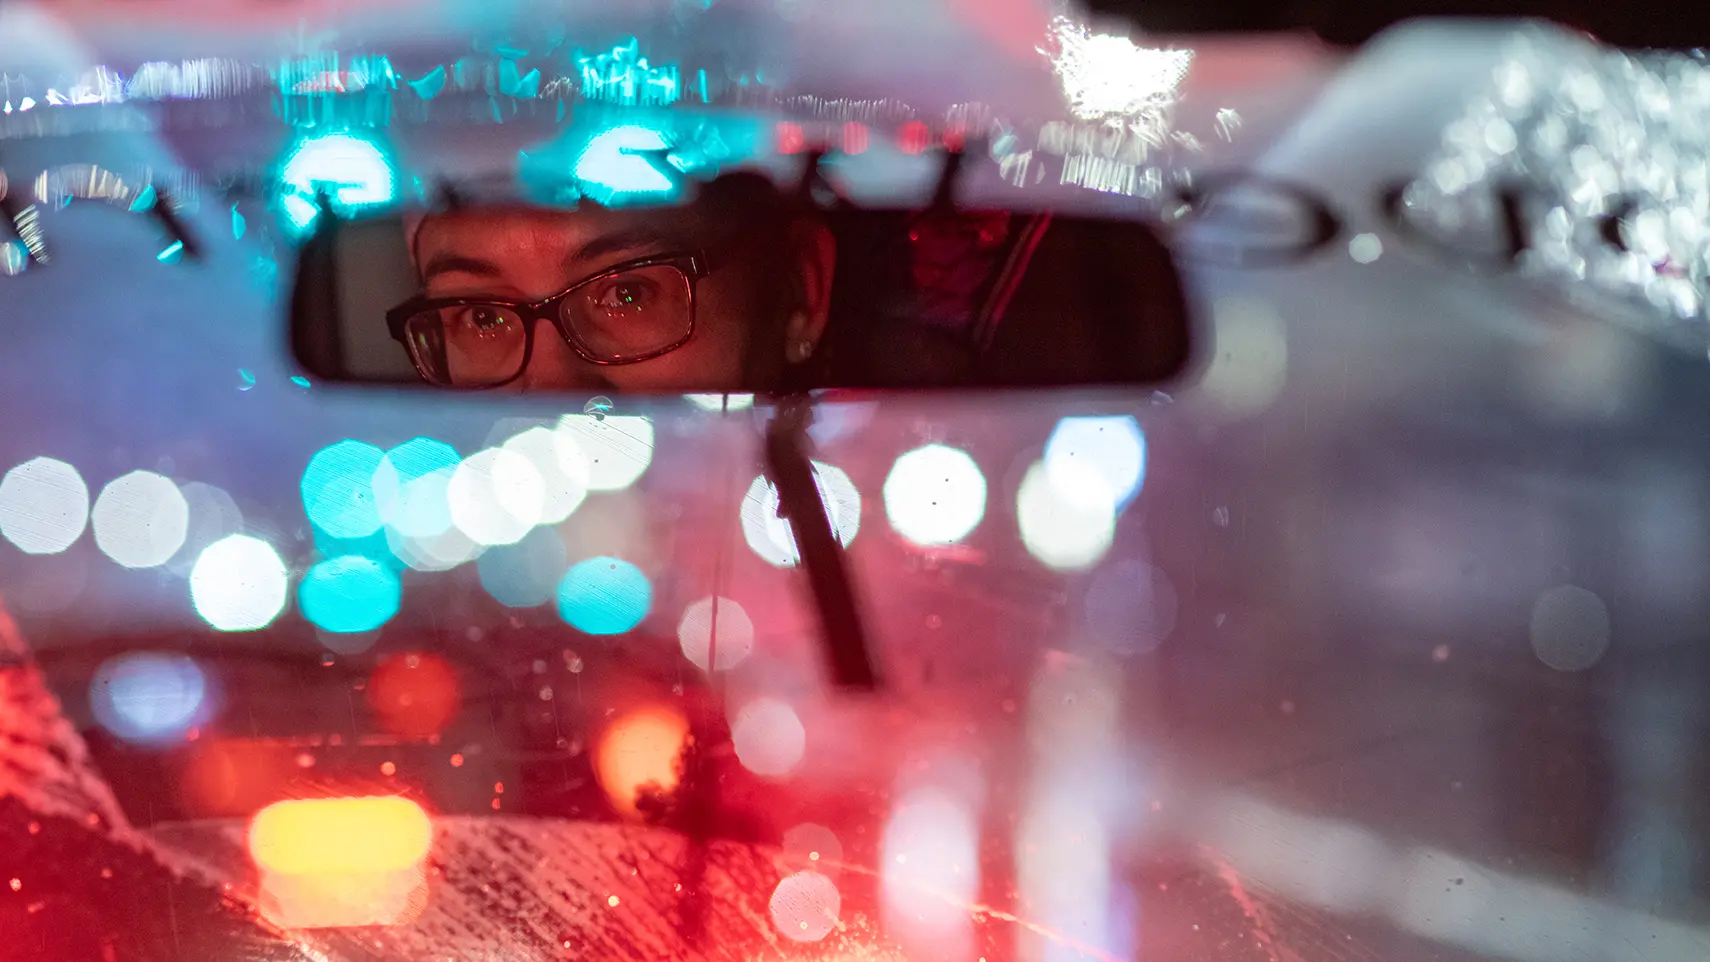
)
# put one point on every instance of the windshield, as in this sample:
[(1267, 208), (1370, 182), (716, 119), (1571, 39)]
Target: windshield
[(1373, 636)]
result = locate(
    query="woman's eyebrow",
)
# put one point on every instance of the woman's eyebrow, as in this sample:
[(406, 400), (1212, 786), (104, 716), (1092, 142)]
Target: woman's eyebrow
[(446, 263), (624, 239)]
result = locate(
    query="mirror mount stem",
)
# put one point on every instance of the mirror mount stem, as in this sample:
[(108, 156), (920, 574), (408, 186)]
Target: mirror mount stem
[(822, 555)]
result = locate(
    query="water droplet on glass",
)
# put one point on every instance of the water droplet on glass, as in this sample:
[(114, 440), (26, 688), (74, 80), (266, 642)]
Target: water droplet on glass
[(599, 407)]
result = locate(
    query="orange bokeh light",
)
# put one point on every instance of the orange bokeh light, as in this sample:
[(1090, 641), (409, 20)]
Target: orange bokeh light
[(641, 751), (328, 862), (233, 776), (415, 695)]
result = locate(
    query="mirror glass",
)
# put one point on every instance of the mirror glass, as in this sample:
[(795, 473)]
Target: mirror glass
[(739, 286)]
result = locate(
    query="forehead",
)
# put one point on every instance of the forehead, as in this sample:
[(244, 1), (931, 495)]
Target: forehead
[(520, 229)]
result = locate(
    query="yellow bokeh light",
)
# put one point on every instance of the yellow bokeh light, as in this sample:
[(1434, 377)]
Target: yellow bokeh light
[(334, 836)]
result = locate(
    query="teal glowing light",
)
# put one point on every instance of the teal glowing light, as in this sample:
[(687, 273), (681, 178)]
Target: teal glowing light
[(145, 199), (513, 83), (14, 257), (353, 172), (338, 489), (604, 596), (615, 164), (349, 594), (172, 253), (525, 574), (431, 83), (623, 76)]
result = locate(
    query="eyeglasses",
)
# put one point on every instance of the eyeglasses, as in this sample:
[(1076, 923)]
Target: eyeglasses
[(634, 311)]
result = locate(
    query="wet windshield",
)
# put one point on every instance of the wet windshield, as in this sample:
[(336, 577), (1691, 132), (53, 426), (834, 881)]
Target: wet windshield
[(1372, 636)]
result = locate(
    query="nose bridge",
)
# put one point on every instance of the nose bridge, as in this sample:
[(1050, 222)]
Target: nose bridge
[(554, 364)]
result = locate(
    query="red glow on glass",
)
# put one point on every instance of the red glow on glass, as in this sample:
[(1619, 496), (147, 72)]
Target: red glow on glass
[(234, 776), (790, 139), (854, 137)]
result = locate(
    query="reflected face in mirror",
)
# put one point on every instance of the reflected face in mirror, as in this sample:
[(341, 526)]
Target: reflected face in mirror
[(710, 296), (745, 289)]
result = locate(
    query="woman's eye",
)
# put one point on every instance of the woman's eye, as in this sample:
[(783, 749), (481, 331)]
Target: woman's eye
[(485, 320), (624, 294)]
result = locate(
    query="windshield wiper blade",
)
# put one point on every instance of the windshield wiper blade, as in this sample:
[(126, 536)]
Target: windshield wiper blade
[(799, 503)]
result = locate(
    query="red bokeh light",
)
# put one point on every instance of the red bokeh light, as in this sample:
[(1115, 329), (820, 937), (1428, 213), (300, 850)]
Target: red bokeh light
[(414, 695), (790, 138), (914, 137)]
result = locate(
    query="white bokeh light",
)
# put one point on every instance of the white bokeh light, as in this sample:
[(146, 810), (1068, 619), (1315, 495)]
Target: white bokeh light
[(735, 633), (1249, 357), (1106, 75), (721, 402), (1067, 516), (930, 868), (1112, 446), (935, 495), (438, 552), (805, 906), (769, 737), (214, 514), (618, 447), (814, 845), (238, 584), (562, 466), (44, 506), (770, 536), (140, 519), (410, 488), (496, 496), (1569, 628)]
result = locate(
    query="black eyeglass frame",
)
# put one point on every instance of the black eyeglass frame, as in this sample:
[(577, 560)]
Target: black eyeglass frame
[(692, 265)]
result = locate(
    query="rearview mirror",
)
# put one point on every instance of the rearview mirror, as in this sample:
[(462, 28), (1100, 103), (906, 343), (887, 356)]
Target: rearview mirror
[(743, 289)]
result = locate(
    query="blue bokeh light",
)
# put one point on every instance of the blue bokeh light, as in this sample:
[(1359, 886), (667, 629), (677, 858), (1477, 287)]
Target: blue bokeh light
[(338, 489), (147, 696), (353, 171), (1129, 607), (604, 596), (349, 594), (612, 166), (525, 574)]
